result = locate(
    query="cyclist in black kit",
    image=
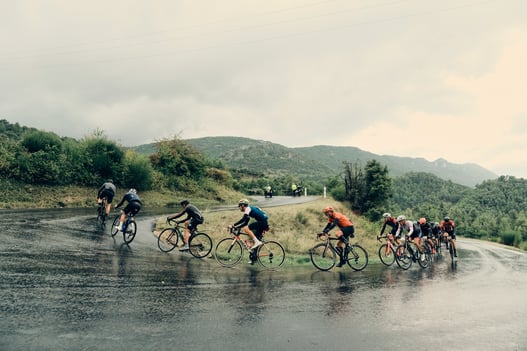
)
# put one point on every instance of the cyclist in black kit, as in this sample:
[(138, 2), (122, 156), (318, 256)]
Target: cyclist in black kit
[(107, 190), (194, 217)]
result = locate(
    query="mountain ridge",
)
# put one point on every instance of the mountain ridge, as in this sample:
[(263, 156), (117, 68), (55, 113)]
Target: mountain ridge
[(314, 161)]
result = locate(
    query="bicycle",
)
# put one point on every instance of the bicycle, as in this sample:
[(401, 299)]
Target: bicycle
[(129, 227), (199, 243), (229, 251), (407, 253), (451, 249), (101, 212), (386, 251), (324, 255)]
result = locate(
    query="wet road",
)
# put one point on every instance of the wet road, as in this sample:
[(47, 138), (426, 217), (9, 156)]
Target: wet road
[(65, 285)]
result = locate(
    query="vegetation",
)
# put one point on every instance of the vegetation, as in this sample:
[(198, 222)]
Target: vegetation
[(41, 169)]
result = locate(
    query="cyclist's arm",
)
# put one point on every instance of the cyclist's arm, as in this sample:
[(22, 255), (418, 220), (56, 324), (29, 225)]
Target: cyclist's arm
[(242, 222)]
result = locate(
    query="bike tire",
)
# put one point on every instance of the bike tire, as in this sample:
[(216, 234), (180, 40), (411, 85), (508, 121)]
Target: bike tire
[(200, 245), (428, 259), (101, 217), (357, 257), (403, 257), (129, 233), (271, 254), (323, 257), (115, 223), (228, 252), (389, 259), (451, 251), (167, 240)]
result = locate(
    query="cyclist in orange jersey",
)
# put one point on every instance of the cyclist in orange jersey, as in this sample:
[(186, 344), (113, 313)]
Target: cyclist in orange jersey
[(346, 229)]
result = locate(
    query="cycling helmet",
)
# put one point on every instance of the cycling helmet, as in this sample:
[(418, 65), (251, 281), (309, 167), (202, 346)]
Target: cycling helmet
[(132, 191), (447, 219), (243, 202), (109, 181), (328, 209), (401, 218), (422, 220), (386, 215), (184, 202)]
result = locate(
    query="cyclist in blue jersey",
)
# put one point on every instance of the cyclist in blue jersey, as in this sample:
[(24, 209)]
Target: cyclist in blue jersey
[(256, 228)]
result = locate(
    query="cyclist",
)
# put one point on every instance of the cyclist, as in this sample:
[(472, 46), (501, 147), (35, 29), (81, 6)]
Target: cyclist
[(194, 218), (413, 231), (346, 229), (447, 227), (107, 190), (256, 229), (389, 220), (426, 232), (132, 208)]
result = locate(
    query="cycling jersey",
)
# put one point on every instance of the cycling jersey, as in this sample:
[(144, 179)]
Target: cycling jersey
[(338, 219), (447, 226), (412, 228), (392, 222)]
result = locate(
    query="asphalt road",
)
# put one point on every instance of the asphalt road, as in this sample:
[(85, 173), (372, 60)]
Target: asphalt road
[(65, 285)]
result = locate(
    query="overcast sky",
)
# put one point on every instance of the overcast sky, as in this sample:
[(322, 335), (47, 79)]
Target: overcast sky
[(418, 78)]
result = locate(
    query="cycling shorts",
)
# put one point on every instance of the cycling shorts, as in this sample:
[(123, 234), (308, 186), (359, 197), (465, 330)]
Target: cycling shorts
[(132, 208), (258, 228), (108, 195)]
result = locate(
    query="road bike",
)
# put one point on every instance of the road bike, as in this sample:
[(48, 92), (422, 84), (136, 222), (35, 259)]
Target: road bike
[(324, 255), (407, 253), (229, 251), (199, 243), (387, 251), (129, 228), (451, 249), (101, 212)]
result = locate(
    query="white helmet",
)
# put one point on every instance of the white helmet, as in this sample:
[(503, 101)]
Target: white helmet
[(133, 191), (386, 215), (401, 218)]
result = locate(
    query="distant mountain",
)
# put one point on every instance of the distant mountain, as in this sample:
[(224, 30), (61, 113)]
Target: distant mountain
[(322, 160)]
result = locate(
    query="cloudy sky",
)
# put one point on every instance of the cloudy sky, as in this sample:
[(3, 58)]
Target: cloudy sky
[(418, 78)]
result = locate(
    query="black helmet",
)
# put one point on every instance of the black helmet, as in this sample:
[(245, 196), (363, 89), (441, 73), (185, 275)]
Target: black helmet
[(447, 219), (184, 202)]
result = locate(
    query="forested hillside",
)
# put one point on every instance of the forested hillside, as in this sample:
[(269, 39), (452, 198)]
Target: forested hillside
[(322, 161)]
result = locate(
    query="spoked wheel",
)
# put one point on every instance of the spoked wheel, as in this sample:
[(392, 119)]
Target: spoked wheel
[(101, 215), (228, 252), (167, 240), (387, 258), (357, 257), (323, 257), (115, 223), (424, 258), (129, 233), (403, 257), (271, 254), (200, 245)]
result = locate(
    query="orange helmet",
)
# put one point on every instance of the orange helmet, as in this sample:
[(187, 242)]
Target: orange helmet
[(328, 209), (422, 220)]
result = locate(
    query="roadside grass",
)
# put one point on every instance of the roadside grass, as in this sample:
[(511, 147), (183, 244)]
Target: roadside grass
[(294, 226)]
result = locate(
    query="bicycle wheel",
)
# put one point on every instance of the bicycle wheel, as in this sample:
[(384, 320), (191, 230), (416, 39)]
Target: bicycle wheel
[(387, 258), (451, 250), (424, 258), (323, 257), (228, 252), (357, 257), (129, 233), (200, 245), (271, 254), (167, 240), (403, 257), (115, 223)]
